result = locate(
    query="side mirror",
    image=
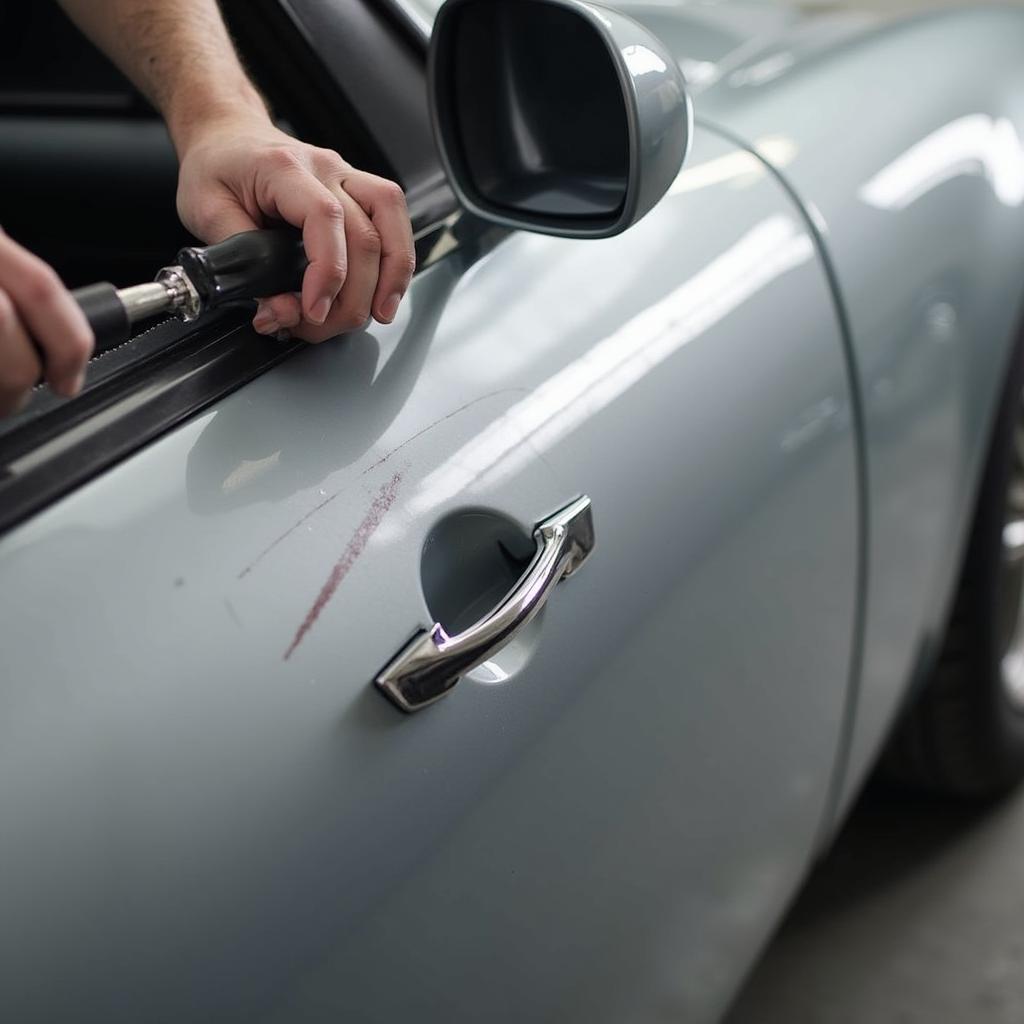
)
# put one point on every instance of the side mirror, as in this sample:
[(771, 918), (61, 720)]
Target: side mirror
[(557, 116)]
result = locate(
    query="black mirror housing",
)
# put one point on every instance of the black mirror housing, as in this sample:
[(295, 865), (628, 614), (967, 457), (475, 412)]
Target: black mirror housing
[(556, 116)]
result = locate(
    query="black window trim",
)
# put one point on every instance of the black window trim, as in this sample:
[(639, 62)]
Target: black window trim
[(174, 371), (54, 447)]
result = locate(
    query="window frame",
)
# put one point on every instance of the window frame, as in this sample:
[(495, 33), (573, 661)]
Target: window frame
[(363, 85), (173, 371)]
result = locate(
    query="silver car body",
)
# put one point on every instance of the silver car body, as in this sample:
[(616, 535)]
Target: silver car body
[(776, 389)]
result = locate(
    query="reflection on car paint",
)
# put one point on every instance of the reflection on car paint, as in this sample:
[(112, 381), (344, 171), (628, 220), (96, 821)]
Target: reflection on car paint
[(578, 391), (763, 71), (642, 60), (812, 423), (976, 145), (369, 469), (741, 168)]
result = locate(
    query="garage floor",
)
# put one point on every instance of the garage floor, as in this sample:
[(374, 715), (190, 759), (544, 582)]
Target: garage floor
[(915, 917)]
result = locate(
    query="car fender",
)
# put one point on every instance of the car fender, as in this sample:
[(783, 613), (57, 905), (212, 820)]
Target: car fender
[(902, 139)]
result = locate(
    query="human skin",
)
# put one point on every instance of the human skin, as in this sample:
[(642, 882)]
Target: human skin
[(238, 171)]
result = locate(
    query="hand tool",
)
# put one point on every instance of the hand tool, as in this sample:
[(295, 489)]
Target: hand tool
[(250, 265)]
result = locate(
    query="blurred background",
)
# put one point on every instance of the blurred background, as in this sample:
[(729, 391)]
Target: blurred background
[(916, 915)]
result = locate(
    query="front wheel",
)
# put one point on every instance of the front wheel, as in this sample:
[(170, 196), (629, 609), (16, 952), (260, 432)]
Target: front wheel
[(964, 734)]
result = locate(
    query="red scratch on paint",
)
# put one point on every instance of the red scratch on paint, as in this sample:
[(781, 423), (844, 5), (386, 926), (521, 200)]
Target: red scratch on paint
[(384, 499), (369, 469)]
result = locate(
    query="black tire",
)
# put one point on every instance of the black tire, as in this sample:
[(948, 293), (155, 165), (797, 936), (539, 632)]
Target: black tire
[(964, 733)]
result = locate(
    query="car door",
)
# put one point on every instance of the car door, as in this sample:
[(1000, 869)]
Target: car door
[(209, 811)]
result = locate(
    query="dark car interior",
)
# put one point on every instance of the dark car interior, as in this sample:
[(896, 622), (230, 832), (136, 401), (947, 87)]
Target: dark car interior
[(87, 172), (88, 178)]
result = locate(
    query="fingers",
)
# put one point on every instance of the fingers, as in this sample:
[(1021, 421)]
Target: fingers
[(290, 190), (19, 365), (223, 217), (279, 313), (353, 305), (357, 235), (384, 203), (38, 305)]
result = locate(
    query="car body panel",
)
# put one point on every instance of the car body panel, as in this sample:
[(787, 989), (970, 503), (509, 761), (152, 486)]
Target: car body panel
[(219, 818), (900, 132), (920, 201), (898, 128)]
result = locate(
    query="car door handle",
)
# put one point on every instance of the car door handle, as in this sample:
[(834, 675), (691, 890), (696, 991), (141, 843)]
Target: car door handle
[(433, 662)]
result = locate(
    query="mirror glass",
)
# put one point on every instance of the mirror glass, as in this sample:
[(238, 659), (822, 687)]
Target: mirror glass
[(541, 113)]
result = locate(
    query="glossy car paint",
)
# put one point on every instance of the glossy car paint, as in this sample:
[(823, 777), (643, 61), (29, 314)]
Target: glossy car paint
[(902, 137), (219, 818), (900, 134), (216, 818)]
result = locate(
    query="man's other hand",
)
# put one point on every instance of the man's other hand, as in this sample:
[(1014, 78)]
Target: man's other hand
[(240, 173), (43, 333)]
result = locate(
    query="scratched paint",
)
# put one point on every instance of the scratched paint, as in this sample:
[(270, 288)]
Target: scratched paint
[(369, 469), (438, 422), (382, 501), (284, 536)]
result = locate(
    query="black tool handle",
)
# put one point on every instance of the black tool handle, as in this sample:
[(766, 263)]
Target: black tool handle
[(106, 315), (250, 265)]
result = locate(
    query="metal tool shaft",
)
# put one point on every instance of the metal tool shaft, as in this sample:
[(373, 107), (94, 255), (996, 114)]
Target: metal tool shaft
[(146, 300)]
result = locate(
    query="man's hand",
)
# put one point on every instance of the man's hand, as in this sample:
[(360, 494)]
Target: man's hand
[(42, 330), (239, 172)]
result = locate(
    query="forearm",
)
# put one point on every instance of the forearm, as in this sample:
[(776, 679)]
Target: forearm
[(240, 172), (178, 54)]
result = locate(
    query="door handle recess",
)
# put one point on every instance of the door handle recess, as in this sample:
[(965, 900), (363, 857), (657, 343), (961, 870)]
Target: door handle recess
[(433, 662)]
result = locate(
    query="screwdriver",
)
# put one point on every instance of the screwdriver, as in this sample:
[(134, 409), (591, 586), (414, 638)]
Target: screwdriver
[(250, 265)]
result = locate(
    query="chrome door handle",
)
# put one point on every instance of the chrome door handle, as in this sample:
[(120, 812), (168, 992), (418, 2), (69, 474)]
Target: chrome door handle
[(433, 662)]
